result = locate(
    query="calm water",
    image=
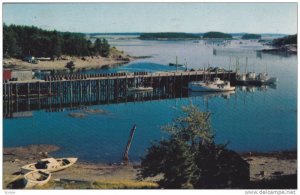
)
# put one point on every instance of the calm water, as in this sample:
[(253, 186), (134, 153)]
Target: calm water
[(251, 120)]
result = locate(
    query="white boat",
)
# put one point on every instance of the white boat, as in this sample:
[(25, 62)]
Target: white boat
[(36, 178), (251, 78), (217, 85), (139, 89), (49, 165)]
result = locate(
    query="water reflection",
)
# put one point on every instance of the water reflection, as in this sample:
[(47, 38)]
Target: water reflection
[(23, 107)]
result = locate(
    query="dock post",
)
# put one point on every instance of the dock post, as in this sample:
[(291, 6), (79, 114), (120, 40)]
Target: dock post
[(99, 91), (71, 93)]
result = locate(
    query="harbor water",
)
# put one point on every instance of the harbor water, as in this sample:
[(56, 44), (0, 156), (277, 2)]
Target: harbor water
[(261, 119)]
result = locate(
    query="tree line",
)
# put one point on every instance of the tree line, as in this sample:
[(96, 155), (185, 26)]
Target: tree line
[(251, 36), (20, 41), (291, 39), (219, 35), (168, 35)]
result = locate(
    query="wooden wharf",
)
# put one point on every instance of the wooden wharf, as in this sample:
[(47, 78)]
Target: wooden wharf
[(67, 91)]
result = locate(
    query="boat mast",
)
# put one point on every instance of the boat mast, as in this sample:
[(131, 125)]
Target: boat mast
[(237, 65), (176, 64), (204, 76), (246, 65), (229, 68)]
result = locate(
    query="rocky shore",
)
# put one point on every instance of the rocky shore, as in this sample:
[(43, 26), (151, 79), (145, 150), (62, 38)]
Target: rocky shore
[(115, 58), (288, 48), (264, 167)]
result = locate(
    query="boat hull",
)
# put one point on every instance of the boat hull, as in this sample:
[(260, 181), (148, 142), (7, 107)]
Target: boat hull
[(140, 90), (36, 178), (31, 167), (197, 88), (269, 81)]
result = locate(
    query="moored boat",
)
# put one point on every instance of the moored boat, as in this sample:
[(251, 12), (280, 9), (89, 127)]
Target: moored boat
[(251, 78), (139, 89), (49, 165), (217, 85), (36, 178)]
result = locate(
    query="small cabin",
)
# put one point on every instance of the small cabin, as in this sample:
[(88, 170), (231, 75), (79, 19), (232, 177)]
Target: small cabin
[(6, 75), (23, 75)]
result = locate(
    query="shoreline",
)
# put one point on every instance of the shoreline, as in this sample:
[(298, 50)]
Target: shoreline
[(80, 63), (116, 58), (263, 166)]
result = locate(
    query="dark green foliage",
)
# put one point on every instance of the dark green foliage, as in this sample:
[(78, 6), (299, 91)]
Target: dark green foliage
[(251, 36), (291, 39), (168, 35), (173, 159), (10, 47), (21, 41), (191, 159), (218, 167), (216, 35), (101, 47), (70, 65)]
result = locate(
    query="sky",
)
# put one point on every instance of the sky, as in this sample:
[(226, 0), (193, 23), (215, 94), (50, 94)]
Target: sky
[(156, 17)]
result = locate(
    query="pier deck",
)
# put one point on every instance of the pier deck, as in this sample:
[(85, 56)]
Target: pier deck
[(67, 91)]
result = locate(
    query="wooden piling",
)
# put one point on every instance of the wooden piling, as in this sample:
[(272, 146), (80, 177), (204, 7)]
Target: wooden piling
[(125, 156)]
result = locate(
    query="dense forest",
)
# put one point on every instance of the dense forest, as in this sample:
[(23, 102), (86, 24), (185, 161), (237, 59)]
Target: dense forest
[(291, 39), (21, 41), (251, 36), (169, 35), (214, 35)]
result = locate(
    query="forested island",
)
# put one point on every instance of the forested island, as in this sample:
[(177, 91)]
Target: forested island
[(286, 45), (251, 36), (216, 35), (291, 39), (21, 41), (168, 36)]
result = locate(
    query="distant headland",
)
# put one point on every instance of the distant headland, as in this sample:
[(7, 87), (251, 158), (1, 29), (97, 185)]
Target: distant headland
[(251, 36), (168, 36), (216, 35), (287, 45)]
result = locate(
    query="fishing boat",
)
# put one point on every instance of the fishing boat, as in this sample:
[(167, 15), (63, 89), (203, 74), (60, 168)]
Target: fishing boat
[(179, 65), (251, 78), (36, 178), (176, 63), (217, 85), (49, 165), (139, 89)]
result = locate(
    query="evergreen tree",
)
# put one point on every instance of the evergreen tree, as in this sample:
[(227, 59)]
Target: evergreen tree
[(10, 47), (105, 48), (98, 46), (21, 41), (191, 159)]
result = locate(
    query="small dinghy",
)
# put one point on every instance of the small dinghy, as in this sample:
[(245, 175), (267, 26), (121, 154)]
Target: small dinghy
[(139, 89), (36, 178), (49, 165)]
